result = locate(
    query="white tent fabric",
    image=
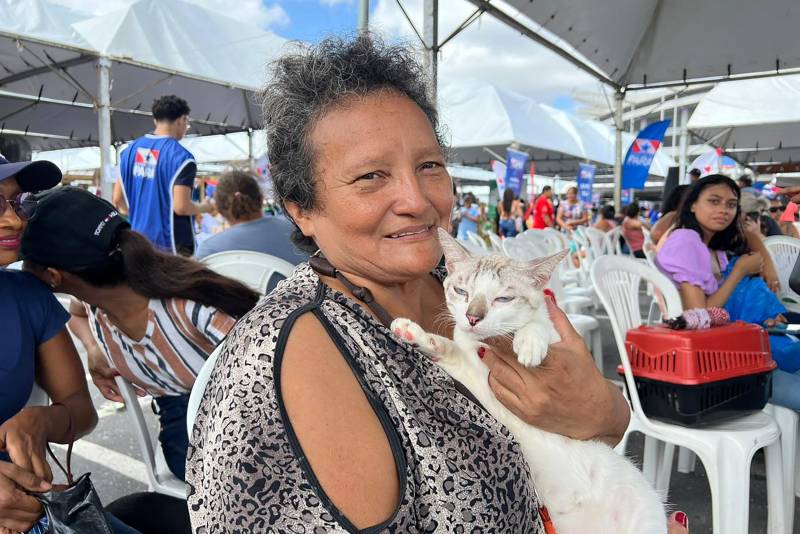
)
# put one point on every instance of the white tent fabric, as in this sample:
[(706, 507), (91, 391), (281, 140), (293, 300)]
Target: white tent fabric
[(49, 75), (646, 42), (207, 149), (753, 120), (480, 116)]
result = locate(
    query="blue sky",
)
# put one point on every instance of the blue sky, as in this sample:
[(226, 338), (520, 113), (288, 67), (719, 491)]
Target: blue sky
[(310, 20)]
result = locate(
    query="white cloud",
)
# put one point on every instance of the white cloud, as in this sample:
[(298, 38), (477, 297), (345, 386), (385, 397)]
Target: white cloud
[(249, 11), (334, 3), (487, 50)]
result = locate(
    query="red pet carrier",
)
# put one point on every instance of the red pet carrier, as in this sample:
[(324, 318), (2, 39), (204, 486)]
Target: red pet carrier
[(692, 377)]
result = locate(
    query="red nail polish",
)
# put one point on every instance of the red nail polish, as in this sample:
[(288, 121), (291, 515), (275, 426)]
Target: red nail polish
[(481, 352), (549, 294), (682, 518)]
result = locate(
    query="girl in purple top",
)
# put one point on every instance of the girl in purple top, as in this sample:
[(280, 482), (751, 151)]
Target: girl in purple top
[(695, 258)]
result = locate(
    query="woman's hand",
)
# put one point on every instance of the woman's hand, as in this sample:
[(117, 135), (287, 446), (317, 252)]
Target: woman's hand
[(678, 523), (18, 510), (566, 394), (24, 438), (751, 263), (103, 376)]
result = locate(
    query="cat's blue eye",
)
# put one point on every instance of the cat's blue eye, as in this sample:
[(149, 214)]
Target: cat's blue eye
[(504, 299), (460, 291)]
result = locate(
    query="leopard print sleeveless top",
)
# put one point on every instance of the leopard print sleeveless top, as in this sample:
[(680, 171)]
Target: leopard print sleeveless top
[(459, 469)]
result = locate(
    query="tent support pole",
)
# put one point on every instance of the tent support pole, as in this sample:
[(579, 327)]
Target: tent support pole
[(251, 161), (619, 101), (363, 15), (104, 126), (430, 32), (682, 162)]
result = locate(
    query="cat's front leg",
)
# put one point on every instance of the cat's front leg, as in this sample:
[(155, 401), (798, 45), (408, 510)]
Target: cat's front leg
[(531, 343), (439, 349)]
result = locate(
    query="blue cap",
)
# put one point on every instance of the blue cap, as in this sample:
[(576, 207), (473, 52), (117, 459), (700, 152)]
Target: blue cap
[(31, 175)]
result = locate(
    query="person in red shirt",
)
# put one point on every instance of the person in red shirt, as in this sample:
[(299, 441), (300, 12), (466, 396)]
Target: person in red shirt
[(543, 209)]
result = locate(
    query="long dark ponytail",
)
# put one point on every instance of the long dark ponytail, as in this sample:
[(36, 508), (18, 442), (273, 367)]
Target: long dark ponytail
[(157, 275)]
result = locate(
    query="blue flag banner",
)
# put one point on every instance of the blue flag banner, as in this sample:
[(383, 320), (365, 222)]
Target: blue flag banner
[(585, 182), (515, 169), (636, 165), (627, 197)]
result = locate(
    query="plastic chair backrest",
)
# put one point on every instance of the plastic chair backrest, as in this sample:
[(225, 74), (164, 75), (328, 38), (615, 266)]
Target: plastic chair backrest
[(784, 251), (596, 241), (522, 249), (166, 482), (497, 243), (476, 239), (617, 280), (613, 245), (253, 269), (199, 387)]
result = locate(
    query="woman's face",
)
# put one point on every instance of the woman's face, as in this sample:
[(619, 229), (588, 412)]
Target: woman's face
[(572, 196), (715, 208), (11, 225), (382, 189)]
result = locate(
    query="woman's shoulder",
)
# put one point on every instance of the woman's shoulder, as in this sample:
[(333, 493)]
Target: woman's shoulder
[(683, 237), (23, 283)]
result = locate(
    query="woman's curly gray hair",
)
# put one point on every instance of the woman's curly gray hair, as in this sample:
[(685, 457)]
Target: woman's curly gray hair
[(307, 84)]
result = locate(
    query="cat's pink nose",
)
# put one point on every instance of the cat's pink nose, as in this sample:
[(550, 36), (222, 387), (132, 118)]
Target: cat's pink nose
[(473, 319)]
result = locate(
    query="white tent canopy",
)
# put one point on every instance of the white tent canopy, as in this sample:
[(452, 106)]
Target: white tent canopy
[(207, 149), (755, 121), (49, 58), (637, 43), (484, 120)]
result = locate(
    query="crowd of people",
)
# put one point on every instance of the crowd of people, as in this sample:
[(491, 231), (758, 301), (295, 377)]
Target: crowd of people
[(316, 415)]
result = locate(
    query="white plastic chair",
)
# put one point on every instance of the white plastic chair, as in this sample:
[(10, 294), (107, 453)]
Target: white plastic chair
[(160, 478), (613, 245), (726, 448), (784, 251), (200, 386), (596, 241), (497, 243), (251, 268), (476, 239), (475, 250)]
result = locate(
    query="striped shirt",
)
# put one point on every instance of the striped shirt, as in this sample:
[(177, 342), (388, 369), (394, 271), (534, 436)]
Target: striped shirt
[(179, 337)]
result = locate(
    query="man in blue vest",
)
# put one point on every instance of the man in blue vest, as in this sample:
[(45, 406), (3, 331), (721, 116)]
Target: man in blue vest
[(157, 177)]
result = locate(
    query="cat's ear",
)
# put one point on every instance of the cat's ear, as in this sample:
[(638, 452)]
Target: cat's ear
[(454, 252), (540, 269)]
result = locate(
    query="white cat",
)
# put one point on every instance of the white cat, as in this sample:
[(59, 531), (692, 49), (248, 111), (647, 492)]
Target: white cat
[(586, 486)]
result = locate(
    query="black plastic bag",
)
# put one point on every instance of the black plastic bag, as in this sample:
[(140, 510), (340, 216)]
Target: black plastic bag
[(76, 510)]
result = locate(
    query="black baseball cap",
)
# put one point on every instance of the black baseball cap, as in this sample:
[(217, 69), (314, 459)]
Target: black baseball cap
[(70, 229), (31, 175)]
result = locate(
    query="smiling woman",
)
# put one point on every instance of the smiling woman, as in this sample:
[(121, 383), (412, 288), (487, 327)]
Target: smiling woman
[(317, 417)]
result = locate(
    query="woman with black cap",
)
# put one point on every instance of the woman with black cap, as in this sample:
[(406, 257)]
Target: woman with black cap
[(36, 348), (151, 317)]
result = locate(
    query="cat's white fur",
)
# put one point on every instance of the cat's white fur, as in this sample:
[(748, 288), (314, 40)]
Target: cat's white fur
[(586, 486)]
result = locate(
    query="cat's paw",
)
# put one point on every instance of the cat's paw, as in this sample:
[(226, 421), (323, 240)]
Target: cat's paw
[(414, 335), (530, 349)]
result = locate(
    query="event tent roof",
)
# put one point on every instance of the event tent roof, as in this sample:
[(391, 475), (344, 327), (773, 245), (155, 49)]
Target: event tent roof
[(483, 119), (756, 121), (644, 43), (49, 76)]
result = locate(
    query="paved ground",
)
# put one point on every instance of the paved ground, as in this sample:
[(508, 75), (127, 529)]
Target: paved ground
[(111, 454)]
